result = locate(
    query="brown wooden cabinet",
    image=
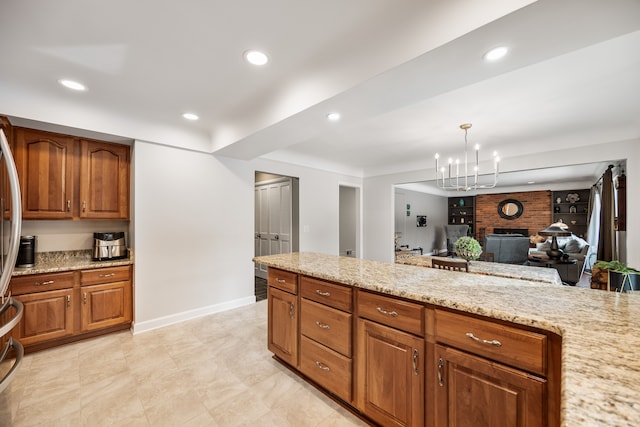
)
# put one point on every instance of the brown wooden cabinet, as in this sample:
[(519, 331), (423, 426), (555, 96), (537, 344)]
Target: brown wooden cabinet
[(283, 315), (45, 163), (488, 373), (390, 367), (104, 180), (106, 297), (62, 177), (68, 306)]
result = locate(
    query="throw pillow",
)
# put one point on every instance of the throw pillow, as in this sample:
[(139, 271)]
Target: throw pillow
[(574, 245)]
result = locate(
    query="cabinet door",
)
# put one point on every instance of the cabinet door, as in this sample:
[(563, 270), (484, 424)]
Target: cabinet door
[(104, 180), (283, 325), (45, 168), (390, 375), (105, 305), (47, 315), (473, 391)]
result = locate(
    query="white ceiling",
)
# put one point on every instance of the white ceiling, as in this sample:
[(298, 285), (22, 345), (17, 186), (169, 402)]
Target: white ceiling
[(404, 75)]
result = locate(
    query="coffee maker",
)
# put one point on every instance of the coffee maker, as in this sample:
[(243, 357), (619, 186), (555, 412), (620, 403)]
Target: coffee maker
[(108, 246)]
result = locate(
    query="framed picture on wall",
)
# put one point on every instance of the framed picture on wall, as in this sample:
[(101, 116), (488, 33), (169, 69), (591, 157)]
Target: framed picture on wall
[(421, 220)]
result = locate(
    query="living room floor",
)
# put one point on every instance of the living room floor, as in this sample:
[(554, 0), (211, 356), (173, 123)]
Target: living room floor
[(211, 371)]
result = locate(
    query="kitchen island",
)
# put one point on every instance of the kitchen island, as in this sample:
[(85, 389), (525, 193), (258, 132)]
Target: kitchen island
[(599, 369)]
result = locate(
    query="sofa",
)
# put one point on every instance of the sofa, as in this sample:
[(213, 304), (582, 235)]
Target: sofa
[(507, 248), (573, 246)]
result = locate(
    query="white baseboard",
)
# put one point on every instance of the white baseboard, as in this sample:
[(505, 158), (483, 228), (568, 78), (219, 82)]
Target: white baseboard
[(149, 325)]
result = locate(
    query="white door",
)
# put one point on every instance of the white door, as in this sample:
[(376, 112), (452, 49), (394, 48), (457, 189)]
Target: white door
[(273, 222)]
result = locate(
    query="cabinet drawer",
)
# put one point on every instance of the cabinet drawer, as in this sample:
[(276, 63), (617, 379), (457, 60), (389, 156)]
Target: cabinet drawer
[(512, 346), (333, 295), (326, 325), (41, 282), (389, 311), (105, 275), (329, 369), (285, 280)]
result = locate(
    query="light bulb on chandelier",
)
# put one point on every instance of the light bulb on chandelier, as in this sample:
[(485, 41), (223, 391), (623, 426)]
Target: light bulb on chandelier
[(458, 182)]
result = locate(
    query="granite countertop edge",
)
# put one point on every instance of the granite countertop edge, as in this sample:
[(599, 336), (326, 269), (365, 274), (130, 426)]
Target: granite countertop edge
[(600, 381), (59, 261)]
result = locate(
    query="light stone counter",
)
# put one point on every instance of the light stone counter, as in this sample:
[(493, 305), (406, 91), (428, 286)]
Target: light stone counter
[(600, 330), (53, 262)]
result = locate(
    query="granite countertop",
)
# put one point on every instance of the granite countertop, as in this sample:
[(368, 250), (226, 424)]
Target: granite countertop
[(513, 271), (600, 330), (53, 262)]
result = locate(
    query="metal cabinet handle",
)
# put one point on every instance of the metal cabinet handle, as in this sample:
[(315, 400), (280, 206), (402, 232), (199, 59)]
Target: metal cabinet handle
[(323, 294), (84, 297), (68, 205), (48, 282), (415, 361), (490, 342), (68, 301), (281, 281), (322, 366), (107, 275), (388, 313), (440, 366), (84, 206), (291, 309), (322, 325)]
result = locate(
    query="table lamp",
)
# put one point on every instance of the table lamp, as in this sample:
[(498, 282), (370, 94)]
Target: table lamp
[(555, 230)]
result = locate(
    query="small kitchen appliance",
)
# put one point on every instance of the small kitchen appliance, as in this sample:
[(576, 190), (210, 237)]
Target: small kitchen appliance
[(26, 252), (109, 245)]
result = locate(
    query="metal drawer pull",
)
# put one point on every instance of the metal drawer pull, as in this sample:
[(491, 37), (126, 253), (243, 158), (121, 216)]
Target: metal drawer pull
[(322, 366), (68, 301), (440, 365), (492, 342), (322, 325), (102, 276), (48, 282), (415, 361), (84, 297), (291, 310), (388, 313), (324, 294), (281, 281)]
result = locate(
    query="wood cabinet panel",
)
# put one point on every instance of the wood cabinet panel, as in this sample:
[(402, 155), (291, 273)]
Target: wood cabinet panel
[(41, 282), (510, 345), (326, 325), (283, 324), (326, 367), (104, 180), (45, 163), (105, 275), (333, 295), (390, 375), (283, 280), (476, 392), (105, 305), (47, 315), (403, 315)]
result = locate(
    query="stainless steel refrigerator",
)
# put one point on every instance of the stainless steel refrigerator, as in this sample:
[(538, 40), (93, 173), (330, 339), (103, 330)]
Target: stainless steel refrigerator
[(10, 309)]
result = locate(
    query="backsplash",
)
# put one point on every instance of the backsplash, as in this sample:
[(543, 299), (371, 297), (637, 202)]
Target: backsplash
[(69, 235)]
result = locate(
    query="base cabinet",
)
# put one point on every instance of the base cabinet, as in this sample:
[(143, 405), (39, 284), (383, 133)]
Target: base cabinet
[(47, 315), (473, 391), (282, 300)]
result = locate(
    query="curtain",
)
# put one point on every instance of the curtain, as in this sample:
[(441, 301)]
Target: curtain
[(607, 240), (593, 228)]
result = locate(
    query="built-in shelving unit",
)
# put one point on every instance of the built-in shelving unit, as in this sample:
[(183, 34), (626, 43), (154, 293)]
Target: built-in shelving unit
[(462, 210), (572, 208)]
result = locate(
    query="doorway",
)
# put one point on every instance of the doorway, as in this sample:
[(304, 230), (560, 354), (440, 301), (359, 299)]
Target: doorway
[(276, 213), (350, 221)]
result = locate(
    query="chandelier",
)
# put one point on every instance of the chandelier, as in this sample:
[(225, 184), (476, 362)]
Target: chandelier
[(454, 181)]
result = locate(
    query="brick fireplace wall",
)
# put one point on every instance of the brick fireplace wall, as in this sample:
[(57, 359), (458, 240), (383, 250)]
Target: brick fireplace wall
[(536, 215)]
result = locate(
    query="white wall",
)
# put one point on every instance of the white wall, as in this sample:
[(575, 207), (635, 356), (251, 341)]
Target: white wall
[(434, 207), (194, 216), (378, 191), (348, 221)]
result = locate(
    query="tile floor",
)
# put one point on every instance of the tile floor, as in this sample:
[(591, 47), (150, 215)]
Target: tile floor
[(212, 371)]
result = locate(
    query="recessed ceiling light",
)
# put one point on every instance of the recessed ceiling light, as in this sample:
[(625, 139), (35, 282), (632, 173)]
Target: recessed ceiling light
[(496, 53), (71, 84), (531, 182), (190, 116), (256, 57), (333, 117)]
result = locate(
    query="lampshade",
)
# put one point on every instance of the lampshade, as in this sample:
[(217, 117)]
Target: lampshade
[(554, 230)]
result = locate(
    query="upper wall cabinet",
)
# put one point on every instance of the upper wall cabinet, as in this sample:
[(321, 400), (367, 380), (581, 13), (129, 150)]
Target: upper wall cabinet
[(104, 180), (64, 178)]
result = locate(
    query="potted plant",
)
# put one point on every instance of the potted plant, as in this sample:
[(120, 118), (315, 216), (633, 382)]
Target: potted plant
[(468, 248), (620, 274)]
